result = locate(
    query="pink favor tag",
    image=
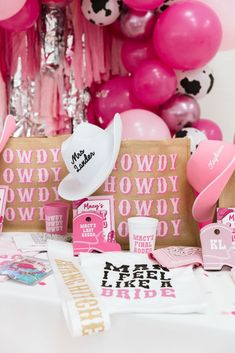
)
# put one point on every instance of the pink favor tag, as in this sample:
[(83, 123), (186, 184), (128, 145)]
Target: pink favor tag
[(102, 205), (88, 234), (226, 216), (178, 256), (217, 250)]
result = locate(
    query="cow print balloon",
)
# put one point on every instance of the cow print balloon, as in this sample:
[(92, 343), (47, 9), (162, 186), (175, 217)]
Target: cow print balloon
[(165, 5), (197, 83), (101, 12), (196, 136)]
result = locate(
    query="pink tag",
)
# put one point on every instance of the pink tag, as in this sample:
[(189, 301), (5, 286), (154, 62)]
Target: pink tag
[(88, 234), (226, 216), (178, 256), (217, 250)]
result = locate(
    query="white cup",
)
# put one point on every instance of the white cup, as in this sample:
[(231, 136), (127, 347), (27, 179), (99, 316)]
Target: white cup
[(142, 234)]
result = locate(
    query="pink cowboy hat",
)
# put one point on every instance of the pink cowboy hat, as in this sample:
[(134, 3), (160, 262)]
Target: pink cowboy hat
[(208, 171)]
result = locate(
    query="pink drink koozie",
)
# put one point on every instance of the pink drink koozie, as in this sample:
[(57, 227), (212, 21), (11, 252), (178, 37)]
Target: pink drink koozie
[(56, 217), (177, 256)]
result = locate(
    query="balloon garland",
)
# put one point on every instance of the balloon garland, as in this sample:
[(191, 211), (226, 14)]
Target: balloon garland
[(64, 61)]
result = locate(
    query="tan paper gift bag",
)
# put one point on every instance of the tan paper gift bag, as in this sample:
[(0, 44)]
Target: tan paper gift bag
[(227, 198), (150, 180), (32, 167)]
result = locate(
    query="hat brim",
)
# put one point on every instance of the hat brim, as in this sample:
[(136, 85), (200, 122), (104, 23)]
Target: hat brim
[(70, 188), (204, 205)]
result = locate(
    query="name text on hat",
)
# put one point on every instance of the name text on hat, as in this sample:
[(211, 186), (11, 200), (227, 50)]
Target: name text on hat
[(215, 158), (76, 156)]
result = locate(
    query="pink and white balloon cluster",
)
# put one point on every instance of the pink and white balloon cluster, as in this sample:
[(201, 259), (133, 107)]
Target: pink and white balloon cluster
[(19, 15), (166, 48)]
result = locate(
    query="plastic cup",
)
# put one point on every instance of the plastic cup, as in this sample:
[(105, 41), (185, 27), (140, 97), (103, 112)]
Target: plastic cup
[(142, 234), (56, 217)]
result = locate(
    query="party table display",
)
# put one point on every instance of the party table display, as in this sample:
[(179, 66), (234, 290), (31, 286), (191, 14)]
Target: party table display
[(113, 188), (104, 280)]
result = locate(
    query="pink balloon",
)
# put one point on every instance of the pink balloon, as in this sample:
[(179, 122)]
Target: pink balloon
[(137, 24), (179, 111), (134, 53), (153, 83), (113, 97), (140, 124), (187, 35), (56, 2), (24, 18), (90, 114), (9, 8), (225, 10), (143, 5), (210, 129)]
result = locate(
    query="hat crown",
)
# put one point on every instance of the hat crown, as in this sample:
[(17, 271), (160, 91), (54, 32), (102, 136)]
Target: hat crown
[(85, 150), (209, 160), (87, 130)]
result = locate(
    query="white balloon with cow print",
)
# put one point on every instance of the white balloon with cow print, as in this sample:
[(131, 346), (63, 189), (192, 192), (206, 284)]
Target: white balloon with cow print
[(101, 12), (197, 83)]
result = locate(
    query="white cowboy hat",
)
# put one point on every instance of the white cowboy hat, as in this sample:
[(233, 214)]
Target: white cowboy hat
[(89, 154)]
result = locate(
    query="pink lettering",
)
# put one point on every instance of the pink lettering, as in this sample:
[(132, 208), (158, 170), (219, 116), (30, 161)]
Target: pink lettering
[(43, 175), (123, 293), (55, 153), (8, 155), (137, 293), (162, 162), (10, 195), (26, 214), (125, 185), (126, 162), (167, 292), (41, 214), (161, 207), (55, 190), (25, 157), (110, 184), (151, 293), (124, 208), (8, 175), (161, 185), (56, 172), (176, 225), (145, 163), (10, 214), (26, 195), (175, 204), (143, 207), (173, 158), (25, 175), (144, 185), (43, 194), (41, 156), (173, 179), (162, 229), (123, 229), (107, 292)]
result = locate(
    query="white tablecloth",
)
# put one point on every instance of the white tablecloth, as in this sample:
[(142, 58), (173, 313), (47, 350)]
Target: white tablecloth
[(31, 321)]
